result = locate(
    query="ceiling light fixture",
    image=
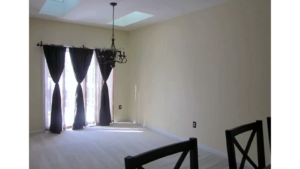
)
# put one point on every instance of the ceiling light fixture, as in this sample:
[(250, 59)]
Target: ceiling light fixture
[(112, 55)]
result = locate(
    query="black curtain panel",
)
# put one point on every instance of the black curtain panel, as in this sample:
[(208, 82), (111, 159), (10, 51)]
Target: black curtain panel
[(81, 59), (55, 57), (105, 117)]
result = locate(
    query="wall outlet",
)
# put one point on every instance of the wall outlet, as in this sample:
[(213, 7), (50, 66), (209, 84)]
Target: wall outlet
[(120, 106), (194, 124)]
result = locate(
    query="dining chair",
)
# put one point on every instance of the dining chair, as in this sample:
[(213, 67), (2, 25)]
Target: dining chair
[(269, 130), (133, 162), (231, 141)]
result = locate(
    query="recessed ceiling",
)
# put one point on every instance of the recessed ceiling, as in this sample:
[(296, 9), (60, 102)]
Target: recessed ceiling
[(131, 18), (99, 12), (58, 8)]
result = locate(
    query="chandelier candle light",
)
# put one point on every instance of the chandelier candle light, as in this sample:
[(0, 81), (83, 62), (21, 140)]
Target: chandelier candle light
[(112, 55)]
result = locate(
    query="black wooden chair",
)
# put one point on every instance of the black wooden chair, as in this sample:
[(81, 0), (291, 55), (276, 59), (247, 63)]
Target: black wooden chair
[(152, 155), (269, 129), (257, 128)]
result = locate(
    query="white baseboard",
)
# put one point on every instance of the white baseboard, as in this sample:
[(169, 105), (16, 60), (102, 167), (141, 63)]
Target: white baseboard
[(164, 133), (201, 147), (123, 120), (36, 132), (213, 151), (134, 122)]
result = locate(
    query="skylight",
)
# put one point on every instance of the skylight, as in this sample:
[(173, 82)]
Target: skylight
[(58, 7), (131, 18)]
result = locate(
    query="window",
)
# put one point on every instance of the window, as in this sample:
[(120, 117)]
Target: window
[(91, 87)]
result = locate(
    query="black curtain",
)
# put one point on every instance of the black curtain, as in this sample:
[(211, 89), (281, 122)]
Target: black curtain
[(105, 117), (81, 59), (55, 57)]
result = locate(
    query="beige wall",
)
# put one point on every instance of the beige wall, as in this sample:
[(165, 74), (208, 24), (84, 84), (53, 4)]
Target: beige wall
[(211, 66), (76, 35)]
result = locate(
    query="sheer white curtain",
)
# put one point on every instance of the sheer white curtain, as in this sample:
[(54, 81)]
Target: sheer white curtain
[(48, 91), (70, 85), (91, 91), (110, 84)]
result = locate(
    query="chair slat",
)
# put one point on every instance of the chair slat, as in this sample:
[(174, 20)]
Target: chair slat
[(244, 154), (158, 153), (182, 157), (242, 129), (146, 157), (257, 129), (247, 148)]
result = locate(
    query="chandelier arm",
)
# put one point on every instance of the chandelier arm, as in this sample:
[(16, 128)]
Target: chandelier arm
[(120, 61), (120, 53)]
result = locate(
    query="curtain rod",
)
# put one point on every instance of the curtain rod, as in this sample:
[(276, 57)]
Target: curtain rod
[(41, 44)]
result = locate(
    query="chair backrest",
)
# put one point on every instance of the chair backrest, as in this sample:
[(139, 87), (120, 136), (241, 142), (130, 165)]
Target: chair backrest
[(257, 128), (269, 119), (152, 155)]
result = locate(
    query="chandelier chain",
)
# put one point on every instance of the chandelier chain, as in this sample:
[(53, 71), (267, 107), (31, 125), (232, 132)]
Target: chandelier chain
[(112, 55), (113, 35)]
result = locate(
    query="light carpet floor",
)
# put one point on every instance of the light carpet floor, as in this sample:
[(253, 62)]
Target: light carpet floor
[(106, 147)]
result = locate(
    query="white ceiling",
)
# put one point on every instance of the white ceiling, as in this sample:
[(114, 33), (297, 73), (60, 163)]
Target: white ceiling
[(99, 12)]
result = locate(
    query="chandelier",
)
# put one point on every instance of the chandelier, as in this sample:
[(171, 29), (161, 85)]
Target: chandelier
[(112, 55)]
